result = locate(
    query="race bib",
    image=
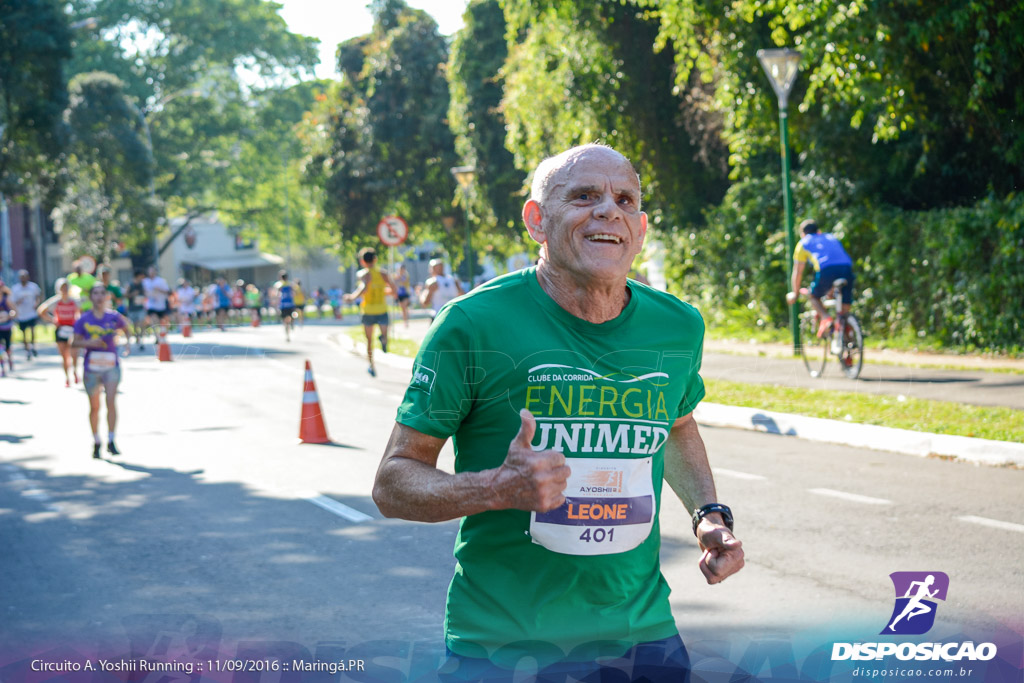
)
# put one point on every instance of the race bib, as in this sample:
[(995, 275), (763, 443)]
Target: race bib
[(4, 316), (608, 508), (102, 360), (65, 332)]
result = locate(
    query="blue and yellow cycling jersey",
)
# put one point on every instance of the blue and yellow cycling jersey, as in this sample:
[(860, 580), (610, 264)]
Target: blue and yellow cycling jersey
[(822, 250)]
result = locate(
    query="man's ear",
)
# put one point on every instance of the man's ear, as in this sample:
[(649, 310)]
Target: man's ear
[(533, 219), (643, 227)]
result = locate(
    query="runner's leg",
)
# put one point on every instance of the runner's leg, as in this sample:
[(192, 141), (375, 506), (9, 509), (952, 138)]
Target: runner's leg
[(368, 329), (94, 418), (110, 388)]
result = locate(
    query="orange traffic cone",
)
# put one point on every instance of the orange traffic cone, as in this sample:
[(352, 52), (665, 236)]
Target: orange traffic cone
[(186, 328), (163, 349), (255, 320), (311, 428)]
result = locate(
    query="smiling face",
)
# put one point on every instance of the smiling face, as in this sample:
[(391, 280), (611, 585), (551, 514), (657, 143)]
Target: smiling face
[(590, 220)]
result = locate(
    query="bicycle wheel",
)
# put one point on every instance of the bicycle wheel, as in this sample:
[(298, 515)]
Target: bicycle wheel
[(851, 359), (813, 348)]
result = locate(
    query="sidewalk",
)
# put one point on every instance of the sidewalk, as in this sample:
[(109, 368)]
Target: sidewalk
[(774, 364)]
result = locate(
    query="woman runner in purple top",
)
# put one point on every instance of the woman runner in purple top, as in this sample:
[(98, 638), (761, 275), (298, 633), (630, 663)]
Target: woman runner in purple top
[(96, 332)]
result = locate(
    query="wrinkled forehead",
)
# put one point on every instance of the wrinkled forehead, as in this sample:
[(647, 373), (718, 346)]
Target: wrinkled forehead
[(589, 167)]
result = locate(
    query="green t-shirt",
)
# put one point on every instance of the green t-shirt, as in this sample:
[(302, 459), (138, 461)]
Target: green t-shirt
[(582, 581), (80, 285), (116, 293)]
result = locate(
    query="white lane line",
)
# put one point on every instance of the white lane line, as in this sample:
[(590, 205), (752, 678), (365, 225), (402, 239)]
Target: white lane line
[(283, 365), (721, 471), (994, 523), (340, 509), (852, 497)]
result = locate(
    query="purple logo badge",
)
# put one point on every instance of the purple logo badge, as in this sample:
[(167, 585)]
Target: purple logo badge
[(916, 593)]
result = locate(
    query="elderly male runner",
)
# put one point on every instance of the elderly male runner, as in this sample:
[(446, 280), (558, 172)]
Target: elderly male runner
[(568, 390)]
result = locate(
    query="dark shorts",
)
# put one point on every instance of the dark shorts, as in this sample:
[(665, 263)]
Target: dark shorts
[(375, 319), (403, 294), (826, 276), (660, 661), (223, 308), (287, 312), (5, 338), (26, 324), (160, 314)]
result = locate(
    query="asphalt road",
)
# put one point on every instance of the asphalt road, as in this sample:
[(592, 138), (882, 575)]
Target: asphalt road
[(216, 534), (976, 387)]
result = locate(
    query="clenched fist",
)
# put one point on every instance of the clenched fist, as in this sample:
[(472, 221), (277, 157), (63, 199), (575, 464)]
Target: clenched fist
[(528, 479)]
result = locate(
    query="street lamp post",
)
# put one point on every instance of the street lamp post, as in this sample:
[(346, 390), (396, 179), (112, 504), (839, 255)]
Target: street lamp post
[(781, 67), (465, 176)]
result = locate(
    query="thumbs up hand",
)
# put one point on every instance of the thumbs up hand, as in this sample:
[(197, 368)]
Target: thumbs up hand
[(528, 479)]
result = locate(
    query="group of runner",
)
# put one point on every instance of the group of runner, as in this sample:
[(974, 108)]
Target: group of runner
[(89, 312)]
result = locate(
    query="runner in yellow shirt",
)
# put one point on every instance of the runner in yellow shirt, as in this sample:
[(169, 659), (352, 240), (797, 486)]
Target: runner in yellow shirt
[(373, 287), (300, 301)]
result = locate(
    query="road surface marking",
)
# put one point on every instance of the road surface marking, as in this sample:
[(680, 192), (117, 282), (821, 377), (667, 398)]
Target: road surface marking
[(852, 497), (994, 523), (340, 509), (737, 475)]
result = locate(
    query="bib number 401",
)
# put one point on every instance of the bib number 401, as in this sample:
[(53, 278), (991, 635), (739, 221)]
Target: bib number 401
[(597, 535)]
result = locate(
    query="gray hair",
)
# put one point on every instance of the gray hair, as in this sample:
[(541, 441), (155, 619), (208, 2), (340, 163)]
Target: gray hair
[(545, 174)]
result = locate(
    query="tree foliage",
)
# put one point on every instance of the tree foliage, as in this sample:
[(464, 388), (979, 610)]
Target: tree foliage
[(577, 74), (477, 56), (382, 144), (183, 62), (35, 45), (920, 107), (110, 169)]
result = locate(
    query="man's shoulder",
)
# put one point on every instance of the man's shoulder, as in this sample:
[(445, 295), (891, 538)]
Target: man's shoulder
[(509, 286), (667, 303)]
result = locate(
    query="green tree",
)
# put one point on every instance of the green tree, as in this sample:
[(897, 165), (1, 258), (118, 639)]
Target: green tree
[(577, 74), (477, 55), (919, 107), (108, 200), (183, 61), (35, 45), (382, 143)]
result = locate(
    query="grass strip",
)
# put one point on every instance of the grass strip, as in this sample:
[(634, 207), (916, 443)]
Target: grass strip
[(396, 345), (919, 415)]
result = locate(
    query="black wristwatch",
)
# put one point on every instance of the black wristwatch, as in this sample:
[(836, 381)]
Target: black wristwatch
[(705, 510)]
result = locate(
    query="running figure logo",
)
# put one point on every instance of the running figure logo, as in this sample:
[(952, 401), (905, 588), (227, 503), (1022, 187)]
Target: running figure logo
[(916, 593)]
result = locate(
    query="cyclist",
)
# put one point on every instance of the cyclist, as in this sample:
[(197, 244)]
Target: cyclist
[(63, 311), (831, 262)]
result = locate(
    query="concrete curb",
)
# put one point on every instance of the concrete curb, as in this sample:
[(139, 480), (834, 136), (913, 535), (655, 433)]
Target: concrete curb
[(922, 444), (855, 434)]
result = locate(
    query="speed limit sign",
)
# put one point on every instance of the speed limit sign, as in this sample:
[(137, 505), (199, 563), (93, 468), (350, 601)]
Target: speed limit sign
[(392, 230)]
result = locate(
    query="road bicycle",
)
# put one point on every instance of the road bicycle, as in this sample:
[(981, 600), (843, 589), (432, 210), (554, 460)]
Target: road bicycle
[(842, 338)]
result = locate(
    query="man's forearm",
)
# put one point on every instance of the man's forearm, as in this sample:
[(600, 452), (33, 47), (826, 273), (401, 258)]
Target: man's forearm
[(409, 489), (686, 465)]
